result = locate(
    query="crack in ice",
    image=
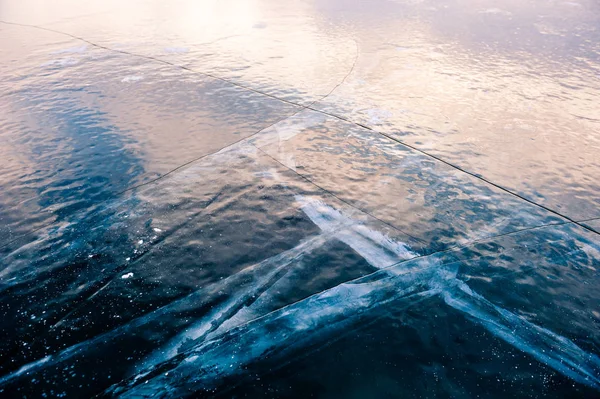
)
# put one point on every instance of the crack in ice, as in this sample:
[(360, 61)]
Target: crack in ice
[(319, 316)]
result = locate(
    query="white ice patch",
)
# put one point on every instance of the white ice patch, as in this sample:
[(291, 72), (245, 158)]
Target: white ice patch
[(325, 217), (176, 50), (378, 116), (132, 78), (376, 248)]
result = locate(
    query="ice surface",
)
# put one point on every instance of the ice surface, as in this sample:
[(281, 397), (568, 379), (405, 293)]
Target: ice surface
[(299, 199)]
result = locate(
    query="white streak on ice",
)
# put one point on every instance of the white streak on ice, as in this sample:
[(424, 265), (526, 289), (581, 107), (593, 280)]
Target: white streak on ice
[(336, 307), (32, 365), (379, 250), (264, 272), (260, 272), (132, 78), (547, 347), (555, 351), (376, 248), (226, 339), (318, 318)]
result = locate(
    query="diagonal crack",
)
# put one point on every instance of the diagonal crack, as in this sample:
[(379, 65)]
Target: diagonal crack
[(366, 276), (310, 106), (457, 246), (300, 109), (303, 177)]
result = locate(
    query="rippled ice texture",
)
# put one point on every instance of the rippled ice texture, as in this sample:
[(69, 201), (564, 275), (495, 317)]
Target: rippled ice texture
[(319, 198)]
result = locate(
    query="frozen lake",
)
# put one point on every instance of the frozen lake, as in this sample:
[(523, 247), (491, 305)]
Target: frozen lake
[(317, 198)]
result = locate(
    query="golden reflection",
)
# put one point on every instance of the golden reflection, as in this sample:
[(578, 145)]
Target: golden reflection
[(499, 90)]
